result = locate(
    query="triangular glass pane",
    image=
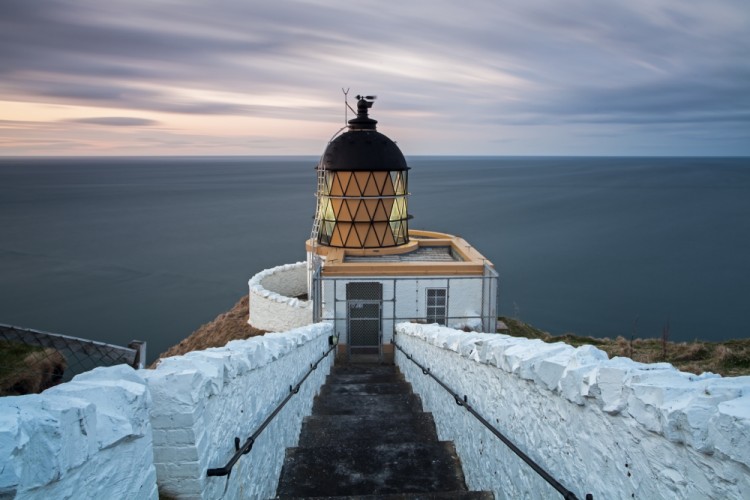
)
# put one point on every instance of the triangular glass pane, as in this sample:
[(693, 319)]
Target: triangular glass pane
[(362, 228), (328, 213), (395, 226), (336, 187), (398, 183), (336, 205), (388, 240), (379, 179), (347, 233), (336, 239), (396, 210), (371, 240), (328, 182), (387, 188), (402, 234), (344, 178), (380, 229), (402, 207), (388, 206), (361, 215), (350, 209), (380, 212), (361, 178), (371, 188), (371, 206)]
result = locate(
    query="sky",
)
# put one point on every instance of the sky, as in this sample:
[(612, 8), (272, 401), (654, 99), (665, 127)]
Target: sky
[(242, 77)]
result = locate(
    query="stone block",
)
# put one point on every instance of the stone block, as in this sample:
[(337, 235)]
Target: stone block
[(549, 370), (122, 406), (730, 429)]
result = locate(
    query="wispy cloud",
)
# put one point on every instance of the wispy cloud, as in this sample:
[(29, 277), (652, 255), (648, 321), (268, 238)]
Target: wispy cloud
[(116, 121), (464, 71)]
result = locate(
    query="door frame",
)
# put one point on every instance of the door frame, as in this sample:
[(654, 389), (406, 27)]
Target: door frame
[(352, 302)]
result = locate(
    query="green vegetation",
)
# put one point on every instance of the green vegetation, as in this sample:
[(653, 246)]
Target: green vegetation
[(730, 358), (28, 369), (13, 356)]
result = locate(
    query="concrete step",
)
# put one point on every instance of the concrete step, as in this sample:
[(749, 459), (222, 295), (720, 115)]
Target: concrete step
[(367, 368), (446, 495), (384, 468), (366, 404), (364, 389), (368, 438), (322, 430), (364, 374)]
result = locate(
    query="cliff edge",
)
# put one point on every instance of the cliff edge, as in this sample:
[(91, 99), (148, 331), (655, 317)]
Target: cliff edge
[(231, 325)]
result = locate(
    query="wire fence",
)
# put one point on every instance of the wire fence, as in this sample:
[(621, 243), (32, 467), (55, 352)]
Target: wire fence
[(32, 360)]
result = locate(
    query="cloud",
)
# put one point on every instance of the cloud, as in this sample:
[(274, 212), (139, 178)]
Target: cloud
[(116, 121), (463, 67)]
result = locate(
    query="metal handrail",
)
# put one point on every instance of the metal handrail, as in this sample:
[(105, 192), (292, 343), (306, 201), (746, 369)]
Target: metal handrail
[(248, 445), (566, 493)]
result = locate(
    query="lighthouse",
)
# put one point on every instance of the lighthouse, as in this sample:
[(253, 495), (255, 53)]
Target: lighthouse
[(367, 270)]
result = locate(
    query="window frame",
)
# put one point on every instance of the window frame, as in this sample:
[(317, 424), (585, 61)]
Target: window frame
[(436, 312)]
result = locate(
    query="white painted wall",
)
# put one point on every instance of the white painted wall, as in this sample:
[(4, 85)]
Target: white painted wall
[(272, 301), (204, 399), (614, 428), (88, 438), (464, 301)]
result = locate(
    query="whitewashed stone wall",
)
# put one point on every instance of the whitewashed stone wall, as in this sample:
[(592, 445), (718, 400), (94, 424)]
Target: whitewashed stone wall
[(272, 302), (88, 438), (204, 399), (613, 428)]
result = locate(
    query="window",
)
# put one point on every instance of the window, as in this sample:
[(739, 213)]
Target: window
[(436, 305)]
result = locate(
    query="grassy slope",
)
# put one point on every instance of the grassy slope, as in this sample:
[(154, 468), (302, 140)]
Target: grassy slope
[(231, 325), (13, 356), (729, 358)]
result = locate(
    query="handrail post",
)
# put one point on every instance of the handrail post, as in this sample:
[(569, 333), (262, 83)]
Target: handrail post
[(139, 346)]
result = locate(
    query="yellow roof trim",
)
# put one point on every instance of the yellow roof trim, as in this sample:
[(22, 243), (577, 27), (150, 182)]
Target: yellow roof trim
[(472, 261)]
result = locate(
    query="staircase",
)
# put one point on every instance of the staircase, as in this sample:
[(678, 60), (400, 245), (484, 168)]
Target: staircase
[(368, 437)]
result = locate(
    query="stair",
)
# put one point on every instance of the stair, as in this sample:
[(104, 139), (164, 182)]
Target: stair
[(369, 438)]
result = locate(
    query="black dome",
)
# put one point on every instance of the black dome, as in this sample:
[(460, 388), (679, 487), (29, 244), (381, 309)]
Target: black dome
[(367, 150)]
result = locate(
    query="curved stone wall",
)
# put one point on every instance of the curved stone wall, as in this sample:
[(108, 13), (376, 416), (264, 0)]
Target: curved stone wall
[(611, 427), (274, 305)]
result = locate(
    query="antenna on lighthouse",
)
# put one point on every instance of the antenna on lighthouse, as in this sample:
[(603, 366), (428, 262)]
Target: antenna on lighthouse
[(346, 106)]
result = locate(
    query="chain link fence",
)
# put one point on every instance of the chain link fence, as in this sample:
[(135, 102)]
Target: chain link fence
[(32, 361)]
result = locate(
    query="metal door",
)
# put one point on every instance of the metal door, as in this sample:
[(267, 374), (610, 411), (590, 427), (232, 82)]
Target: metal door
[(364, 312)]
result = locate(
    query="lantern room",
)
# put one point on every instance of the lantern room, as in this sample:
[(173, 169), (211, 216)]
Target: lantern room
[(362, 188)]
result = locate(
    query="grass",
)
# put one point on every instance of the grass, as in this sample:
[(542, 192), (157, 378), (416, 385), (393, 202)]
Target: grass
[(13, 356), (730, 358)]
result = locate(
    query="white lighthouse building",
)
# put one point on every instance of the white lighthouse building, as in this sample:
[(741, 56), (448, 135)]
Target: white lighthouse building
[(366, 270)]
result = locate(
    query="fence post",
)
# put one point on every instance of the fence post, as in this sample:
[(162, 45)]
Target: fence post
[(140, 353)]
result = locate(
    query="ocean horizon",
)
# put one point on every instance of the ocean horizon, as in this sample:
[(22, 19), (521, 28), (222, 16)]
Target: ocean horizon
[(116, 248)]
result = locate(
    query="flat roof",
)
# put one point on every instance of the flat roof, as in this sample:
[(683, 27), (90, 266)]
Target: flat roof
[(428, 253), (421, 254)]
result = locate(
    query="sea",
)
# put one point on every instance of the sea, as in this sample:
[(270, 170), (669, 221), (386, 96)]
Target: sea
[(150, 248)]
